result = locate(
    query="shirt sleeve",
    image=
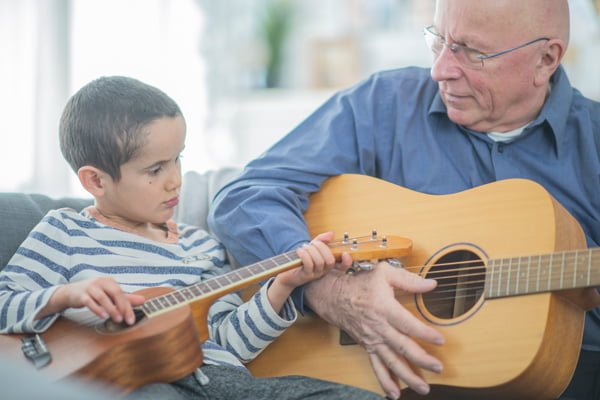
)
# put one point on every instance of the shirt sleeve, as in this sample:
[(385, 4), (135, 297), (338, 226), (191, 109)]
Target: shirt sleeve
[(260, 214), (246, 329), (31, 277)]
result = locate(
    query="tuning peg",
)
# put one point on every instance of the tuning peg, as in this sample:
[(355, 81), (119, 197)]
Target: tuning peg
[(384, 241), (346, 238)]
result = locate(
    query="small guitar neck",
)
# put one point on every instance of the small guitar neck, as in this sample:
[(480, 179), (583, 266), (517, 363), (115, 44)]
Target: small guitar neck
[(361, 248), (222, 284), (542, 273)]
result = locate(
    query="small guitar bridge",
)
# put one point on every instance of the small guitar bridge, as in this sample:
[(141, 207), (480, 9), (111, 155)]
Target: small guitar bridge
[(34, 348)]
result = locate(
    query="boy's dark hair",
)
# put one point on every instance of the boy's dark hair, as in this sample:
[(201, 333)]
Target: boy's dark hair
[(102, 124)]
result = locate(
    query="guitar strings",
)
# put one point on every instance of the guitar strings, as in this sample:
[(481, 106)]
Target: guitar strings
[(475, 288)]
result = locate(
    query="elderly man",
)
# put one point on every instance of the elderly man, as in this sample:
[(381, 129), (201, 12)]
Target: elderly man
[(496, 104)]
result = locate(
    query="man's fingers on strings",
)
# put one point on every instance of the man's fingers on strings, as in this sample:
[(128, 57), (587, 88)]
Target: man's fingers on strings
[(410, 282)]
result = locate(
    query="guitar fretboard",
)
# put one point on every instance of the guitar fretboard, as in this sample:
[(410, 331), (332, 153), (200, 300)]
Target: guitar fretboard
[(221, 284), (543, 273)]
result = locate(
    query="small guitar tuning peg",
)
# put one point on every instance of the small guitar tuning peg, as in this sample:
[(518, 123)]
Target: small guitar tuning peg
[(384, 241)]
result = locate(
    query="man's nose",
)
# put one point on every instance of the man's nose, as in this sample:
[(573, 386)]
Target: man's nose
[(446, 65)]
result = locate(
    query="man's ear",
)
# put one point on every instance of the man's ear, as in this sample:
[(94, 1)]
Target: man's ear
[(552, 54), (93, 180)]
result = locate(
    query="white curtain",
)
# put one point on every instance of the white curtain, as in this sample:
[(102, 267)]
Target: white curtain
[(50, 48), (33, 82)]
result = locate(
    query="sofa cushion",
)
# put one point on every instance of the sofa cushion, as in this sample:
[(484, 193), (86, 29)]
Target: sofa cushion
[(20, 212)]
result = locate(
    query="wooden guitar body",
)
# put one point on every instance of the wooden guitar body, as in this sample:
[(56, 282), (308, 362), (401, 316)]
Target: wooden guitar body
[(163, 349), (514, 347), (164, 344)]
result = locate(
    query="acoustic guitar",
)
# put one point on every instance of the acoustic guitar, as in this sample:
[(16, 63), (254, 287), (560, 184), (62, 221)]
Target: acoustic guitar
[(510, 263), (164, 343)]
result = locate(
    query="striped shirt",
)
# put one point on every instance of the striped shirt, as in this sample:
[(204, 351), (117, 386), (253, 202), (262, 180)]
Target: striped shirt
[(67, 246)]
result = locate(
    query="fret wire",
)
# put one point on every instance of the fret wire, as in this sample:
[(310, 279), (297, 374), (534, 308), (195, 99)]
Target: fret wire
[(508, 276), (172, 299), (214, 283), (492, 265), (269, 264), (575, 270), (549, 271), (562, 269), (245, 273), (222, 280), (280, 260), (528, 270), (195, 290), (164, 302), (517, 291), (187, 294), (589, 282), (500, 276), (151, 306), (537, 286), (156, 304), (179, 296)]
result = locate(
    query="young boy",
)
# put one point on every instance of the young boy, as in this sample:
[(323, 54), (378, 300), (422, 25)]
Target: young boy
[(124, 140)]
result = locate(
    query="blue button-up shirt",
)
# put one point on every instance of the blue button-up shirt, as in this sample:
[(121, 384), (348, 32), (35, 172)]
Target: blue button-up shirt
[(394, 126)]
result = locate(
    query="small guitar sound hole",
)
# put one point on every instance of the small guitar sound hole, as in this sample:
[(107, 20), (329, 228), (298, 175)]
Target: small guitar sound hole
[(461, 278)]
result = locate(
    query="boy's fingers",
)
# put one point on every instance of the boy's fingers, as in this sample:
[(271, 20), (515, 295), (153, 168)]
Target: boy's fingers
[(304, 255), (325, 253), (317, 258), (325, 237)]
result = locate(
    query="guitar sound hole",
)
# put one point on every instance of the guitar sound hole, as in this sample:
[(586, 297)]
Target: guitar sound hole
[(461, 278)]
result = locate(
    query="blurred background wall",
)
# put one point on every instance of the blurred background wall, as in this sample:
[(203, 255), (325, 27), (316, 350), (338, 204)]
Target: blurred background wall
[(244, 72)]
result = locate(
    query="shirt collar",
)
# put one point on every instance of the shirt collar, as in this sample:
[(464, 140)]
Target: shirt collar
[(555, 110)]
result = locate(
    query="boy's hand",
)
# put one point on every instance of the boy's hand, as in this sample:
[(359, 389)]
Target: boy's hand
[(103, 296), (317, 260)]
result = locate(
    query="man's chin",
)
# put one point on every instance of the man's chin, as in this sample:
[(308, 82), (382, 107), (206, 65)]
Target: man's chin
[(461, 117)]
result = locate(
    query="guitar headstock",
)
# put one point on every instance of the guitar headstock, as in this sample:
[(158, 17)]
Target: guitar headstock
[(371, 247)]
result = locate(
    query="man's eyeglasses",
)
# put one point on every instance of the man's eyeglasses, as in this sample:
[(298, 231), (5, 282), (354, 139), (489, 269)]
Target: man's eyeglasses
[(467, 56)]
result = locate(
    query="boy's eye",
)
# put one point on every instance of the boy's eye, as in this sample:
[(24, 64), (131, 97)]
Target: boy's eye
[(155, 171)]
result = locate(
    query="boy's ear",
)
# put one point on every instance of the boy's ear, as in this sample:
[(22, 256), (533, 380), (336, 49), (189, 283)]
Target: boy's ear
[(93, 180)]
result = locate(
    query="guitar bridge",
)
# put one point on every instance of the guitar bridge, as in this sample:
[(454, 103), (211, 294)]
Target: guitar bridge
[(34, 348)]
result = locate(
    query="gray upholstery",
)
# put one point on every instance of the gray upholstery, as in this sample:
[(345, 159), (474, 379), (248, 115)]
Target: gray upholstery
[(20, 212)]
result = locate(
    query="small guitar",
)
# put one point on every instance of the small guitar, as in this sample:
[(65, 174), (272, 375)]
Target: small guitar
[(164, 343), (510, 263)]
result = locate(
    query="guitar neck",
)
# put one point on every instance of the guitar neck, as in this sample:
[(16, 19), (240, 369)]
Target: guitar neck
[(360, 248), (222, 284), (542, 273)]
